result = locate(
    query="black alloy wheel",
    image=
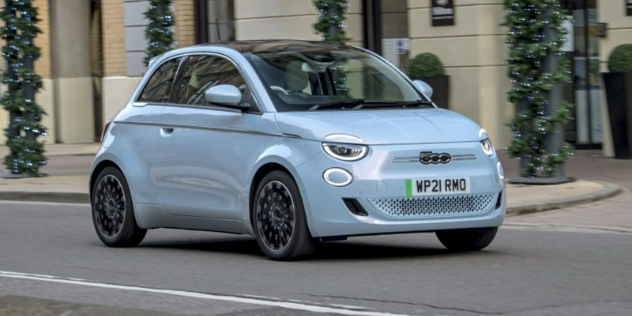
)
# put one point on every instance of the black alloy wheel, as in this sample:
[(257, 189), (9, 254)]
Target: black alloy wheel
[(112, 210), (279, 219)]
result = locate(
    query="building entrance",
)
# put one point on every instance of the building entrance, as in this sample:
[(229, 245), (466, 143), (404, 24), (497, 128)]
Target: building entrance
[(582, 49)]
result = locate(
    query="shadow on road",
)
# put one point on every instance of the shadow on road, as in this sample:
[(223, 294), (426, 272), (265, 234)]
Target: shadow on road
[(339, 250)]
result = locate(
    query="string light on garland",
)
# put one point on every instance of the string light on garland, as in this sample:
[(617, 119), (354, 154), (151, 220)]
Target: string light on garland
[(158, 32), (530, 40), (20, 28)]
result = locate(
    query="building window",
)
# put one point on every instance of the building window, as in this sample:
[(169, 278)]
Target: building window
[(214, 21)]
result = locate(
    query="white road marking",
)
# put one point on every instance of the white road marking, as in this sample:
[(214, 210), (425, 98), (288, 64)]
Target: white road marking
[(226, 298)]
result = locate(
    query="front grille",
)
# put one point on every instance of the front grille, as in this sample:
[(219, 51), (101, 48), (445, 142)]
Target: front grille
[(435, 206)]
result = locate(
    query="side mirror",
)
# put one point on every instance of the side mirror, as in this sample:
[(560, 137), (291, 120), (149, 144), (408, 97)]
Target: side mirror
[(425, 88), (225, 95)]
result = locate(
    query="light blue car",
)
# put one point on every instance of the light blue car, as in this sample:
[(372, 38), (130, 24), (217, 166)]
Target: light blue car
[(292, 142)]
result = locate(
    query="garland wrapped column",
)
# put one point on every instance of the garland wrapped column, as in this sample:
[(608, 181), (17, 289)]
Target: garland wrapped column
[(331, 20), (19, 30), (331, 24), (536, 70), (158, 32)]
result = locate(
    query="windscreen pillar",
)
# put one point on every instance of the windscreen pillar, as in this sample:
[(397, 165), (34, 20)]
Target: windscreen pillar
[(71, 67)]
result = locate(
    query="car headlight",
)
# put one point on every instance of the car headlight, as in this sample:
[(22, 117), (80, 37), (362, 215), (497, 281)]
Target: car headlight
[(346, 152), (487, 146)]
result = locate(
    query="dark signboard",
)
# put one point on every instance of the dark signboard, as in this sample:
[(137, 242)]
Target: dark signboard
[(442, 12), (628, 6)]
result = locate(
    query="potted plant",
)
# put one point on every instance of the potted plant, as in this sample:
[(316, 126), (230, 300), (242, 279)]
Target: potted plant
[(429, 68), (618, 84)]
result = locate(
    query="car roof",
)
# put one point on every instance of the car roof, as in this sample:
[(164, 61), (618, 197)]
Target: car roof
[(255, 47), (262, 46)]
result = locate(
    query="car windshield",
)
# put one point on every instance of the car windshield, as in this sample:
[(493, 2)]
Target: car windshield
[(315, 77)]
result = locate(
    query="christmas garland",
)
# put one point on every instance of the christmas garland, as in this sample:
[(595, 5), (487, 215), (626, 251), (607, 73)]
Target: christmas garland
[(19, 30), (158, 32), (331, 20), (331, 23), (530, 23)]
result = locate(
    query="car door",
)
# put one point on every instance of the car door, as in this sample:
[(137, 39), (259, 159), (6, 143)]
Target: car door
[(138, 124), (198, 164)]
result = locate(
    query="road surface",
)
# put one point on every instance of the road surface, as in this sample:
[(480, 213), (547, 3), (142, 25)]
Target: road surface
[(51, 263)]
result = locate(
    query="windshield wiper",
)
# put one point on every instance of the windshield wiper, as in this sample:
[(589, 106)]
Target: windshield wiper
[(361, 103), (380, 104), (348, 102)]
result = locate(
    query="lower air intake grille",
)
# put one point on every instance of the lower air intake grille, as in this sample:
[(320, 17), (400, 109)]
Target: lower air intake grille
[(435, 206)]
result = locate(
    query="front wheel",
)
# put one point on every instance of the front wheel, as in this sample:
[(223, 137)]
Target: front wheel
[(467, 239), (279, 221), (113, 211)]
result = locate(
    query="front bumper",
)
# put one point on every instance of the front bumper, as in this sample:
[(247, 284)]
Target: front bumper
[(379, 187)]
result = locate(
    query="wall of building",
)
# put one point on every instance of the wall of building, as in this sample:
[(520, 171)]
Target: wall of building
[(116, 86), (619, 32), (473, 52), (288, 19), (185, 22)]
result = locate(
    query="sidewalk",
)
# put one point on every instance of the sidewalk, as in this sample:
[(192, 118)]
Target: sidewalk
[(85, 149), (69, 165)]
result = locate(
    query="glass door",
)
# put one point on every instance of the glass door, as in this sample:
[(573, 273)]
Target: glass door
[(386, 29), (586, 130)]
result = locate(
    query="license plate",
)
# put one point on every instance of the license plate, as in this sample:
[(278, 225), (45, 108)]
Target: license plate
[(437, 186)]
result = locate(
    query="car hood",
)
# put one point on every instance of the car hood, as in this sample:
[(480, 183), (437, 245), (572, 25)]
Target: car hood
[(382, 127)]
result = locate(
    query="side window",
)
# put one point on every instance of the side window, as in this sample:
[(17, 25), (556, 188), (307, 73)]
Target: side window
[(158, 86), (205, 71)]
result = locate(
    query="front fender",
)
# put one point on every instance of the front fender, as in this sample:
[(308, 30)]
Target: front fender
[(289, 154)]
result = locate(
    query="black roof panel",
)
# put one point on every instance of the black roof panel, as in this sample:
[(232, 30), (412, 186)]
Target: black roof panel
[(259, 46)]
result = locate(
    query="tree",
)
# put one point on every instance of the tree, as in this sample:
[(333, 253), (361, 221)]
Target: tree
[(158, 32), (536, 70), (20, 28)]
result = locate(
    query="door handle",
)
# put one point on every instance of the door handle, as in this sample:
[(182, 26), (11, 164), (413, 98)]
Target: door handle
[(166, 131)]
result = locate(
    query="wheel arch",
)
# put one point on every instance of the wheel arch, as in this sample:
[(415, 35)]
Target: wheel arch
[(97, 170), (265, 167), (261, 172)]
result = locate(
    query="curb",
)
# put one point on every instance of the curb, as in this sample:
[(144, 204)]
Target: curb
[(51, 197), (608, 191)]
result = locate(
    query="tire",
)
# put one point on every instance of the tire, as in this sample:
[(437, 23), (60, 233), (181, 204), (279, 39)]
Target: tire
[(278, 219), (113, 210), (467, 239)]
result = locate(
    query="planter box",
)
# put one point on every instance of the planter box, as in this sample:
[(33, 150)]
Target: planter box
[(441, 87), (619, 95)]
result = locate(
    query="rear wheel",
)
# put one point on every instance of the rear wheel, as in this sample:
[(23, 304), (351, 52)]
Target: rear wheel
[(467, 239), (279, 221), (113, 211)]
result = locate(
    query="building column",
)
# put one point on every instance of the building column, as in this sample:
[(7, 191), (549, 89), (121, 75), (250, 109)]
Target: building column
[(71, 67)]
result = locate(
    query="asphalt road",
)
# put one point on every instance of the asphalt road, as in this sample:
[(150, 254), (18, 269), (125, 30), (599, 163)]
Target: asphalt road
[(527, 271)]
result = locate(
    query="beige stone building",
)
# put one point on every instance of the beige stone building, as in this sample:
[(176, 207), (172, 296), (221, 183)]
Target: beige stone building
[(92, 52)]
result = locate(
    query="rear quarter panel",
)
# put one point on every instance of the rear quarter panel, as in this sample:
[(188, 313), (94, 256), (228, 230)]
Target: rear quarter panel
[(128, 144)]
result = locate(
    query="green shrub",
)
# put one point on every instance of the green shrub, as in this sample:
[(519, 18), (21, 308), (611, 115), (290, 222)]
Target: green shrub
[(425, 65), (621, 59)]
